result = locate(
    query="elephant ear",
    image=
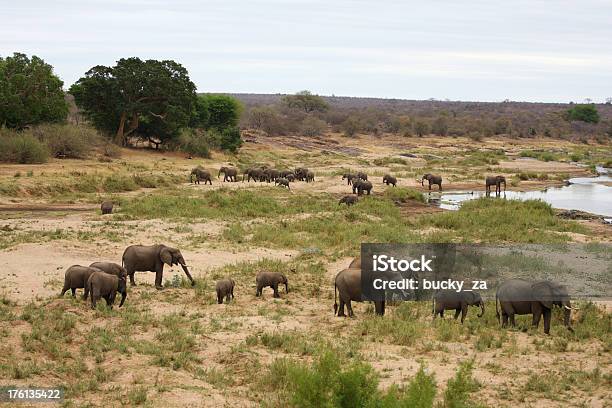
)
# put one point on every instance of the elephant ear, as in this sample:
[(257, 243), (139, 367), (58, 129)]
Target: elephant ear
[(543, 292), (166, 256)]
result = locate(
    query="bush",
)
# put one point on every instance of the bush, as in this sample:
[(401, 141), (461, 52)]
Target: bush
[(313, 126), (583, 113), (351, 126), (194, 143), (67, 141), (21, 148)]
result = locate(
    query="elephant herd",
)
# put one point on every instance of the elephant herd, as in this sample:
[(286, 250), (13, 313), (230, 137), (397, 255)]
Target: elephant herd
[(257, 174), (103, 280), (514, 296)]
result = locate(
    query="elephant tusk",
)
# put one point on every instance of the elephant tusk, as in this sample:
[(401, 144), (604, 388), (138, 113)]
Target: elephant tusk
[(567, 307)]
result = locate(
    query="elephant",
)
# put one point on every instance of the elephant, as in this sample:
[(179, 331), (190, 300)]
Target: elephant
[(152, 258), (389, 179), (106, 207), (347, 286), (110, 267), (105, 285), (495, 180), (309, 176), (271, 175), (359, 186), (200, 175), (271, 279), (76, 277), (459, 301), (286, 173), (348, 200), (300, 173), (229, 173), (520, 297), (282, 182), (254, 174), (349, 178), (356, 263), (362, 175), (225, 289), (290, 177), (432, 180)]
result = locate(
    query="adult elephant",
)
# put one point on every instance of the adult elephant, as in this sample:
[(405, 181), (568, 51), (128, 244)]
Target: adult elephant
[(271, 175), (229, 173), (432, 179), (347, 286), (200, 175), (496, 181), (520, 297), (301, 173), (359, 186), (152, 259)]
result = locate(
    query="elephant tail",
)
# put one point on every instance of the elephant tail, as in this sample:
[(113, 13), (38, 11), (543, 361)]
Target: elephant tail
[(496, 310), (335, 298)]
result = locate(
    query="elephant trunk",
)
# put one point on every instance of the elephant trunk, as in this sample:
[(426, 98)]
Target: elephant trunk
[(482, 309), (186, 270), (123, 296)]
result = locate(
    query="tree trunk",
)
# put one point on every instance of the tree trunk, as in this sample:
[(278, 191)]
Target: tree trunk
[(119, 137)]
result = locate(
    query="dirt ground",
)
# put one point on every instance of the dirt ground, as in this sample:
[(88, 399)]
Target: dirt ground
[(33, 270)]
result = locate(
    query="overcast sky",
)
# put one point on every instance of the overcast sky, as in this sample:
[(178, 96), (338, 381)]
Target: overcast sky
[(485, 50)]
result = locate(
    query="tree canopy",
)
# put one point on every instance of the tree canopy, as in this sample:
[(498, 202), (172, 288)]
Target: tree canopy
[(223, 110), (584, 113), (29, 92), (151, 98), (306, 101)]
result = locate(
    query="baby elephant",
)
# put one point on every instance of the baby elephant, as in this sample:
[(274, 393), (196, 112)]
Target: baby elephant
[(348, 200), (271, 279), (389, 179), (76, 277), (459, 301), (225, 289), (104, 285), (282, 182), (106, 207)]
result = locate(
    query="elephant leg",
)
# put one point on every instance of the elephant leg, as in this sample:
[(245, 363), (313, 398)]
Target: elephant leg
[(276, 294), (95, 295), (547, 315), (73, 290), (512, 321), (504, 320), (441, 313), (350, 309), (219, 297), (457, 311), (258, 292), (341, 308), (159, 274), (536, 318), (85, 292), (464, 310), (132, 281), (429, 186)]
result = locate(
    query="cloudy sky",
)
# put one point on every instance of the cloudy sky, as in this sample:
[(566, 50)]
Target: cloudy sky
[(530, 50)]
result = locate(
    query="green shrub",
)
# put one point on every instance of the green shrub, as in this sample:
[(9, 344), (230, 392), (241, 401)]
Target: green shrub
[(460, 387), (403, 194), (21, 148), (67, 141)]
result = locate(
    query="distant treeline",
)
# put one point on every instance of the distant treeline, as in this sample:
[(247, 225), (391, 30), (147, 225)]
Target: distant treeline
[(276, 114)]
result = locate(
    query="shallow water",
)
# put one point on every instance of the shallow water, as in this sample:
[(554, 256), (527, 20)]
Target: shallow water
[(583, 193)]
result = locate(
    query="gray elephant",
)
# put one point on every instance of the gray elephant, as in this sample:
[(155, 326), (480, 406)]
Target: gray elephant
[(310, 176), (271, 175), (347, 287), (271, 279), (229, 173), (110, 267), (355, 263), (105, 286), (225, 289), (286, 173), (106, 207), (361, 175), (457, 301), (200, 175), (348, 200), (76, 277), (496, 181), (300, 173), (359, 186), (432, 179), (254, 174), (520, 297), (389, 179), (349, 177), (282, 182), (290, 177), (152, 258)]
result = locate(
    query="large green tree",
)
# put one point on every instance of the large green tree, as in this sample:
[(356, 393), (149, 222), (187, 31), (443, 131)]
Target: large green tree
[(29, 92), (306, 101), (151, 98), (584, 113), (223, 111)]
